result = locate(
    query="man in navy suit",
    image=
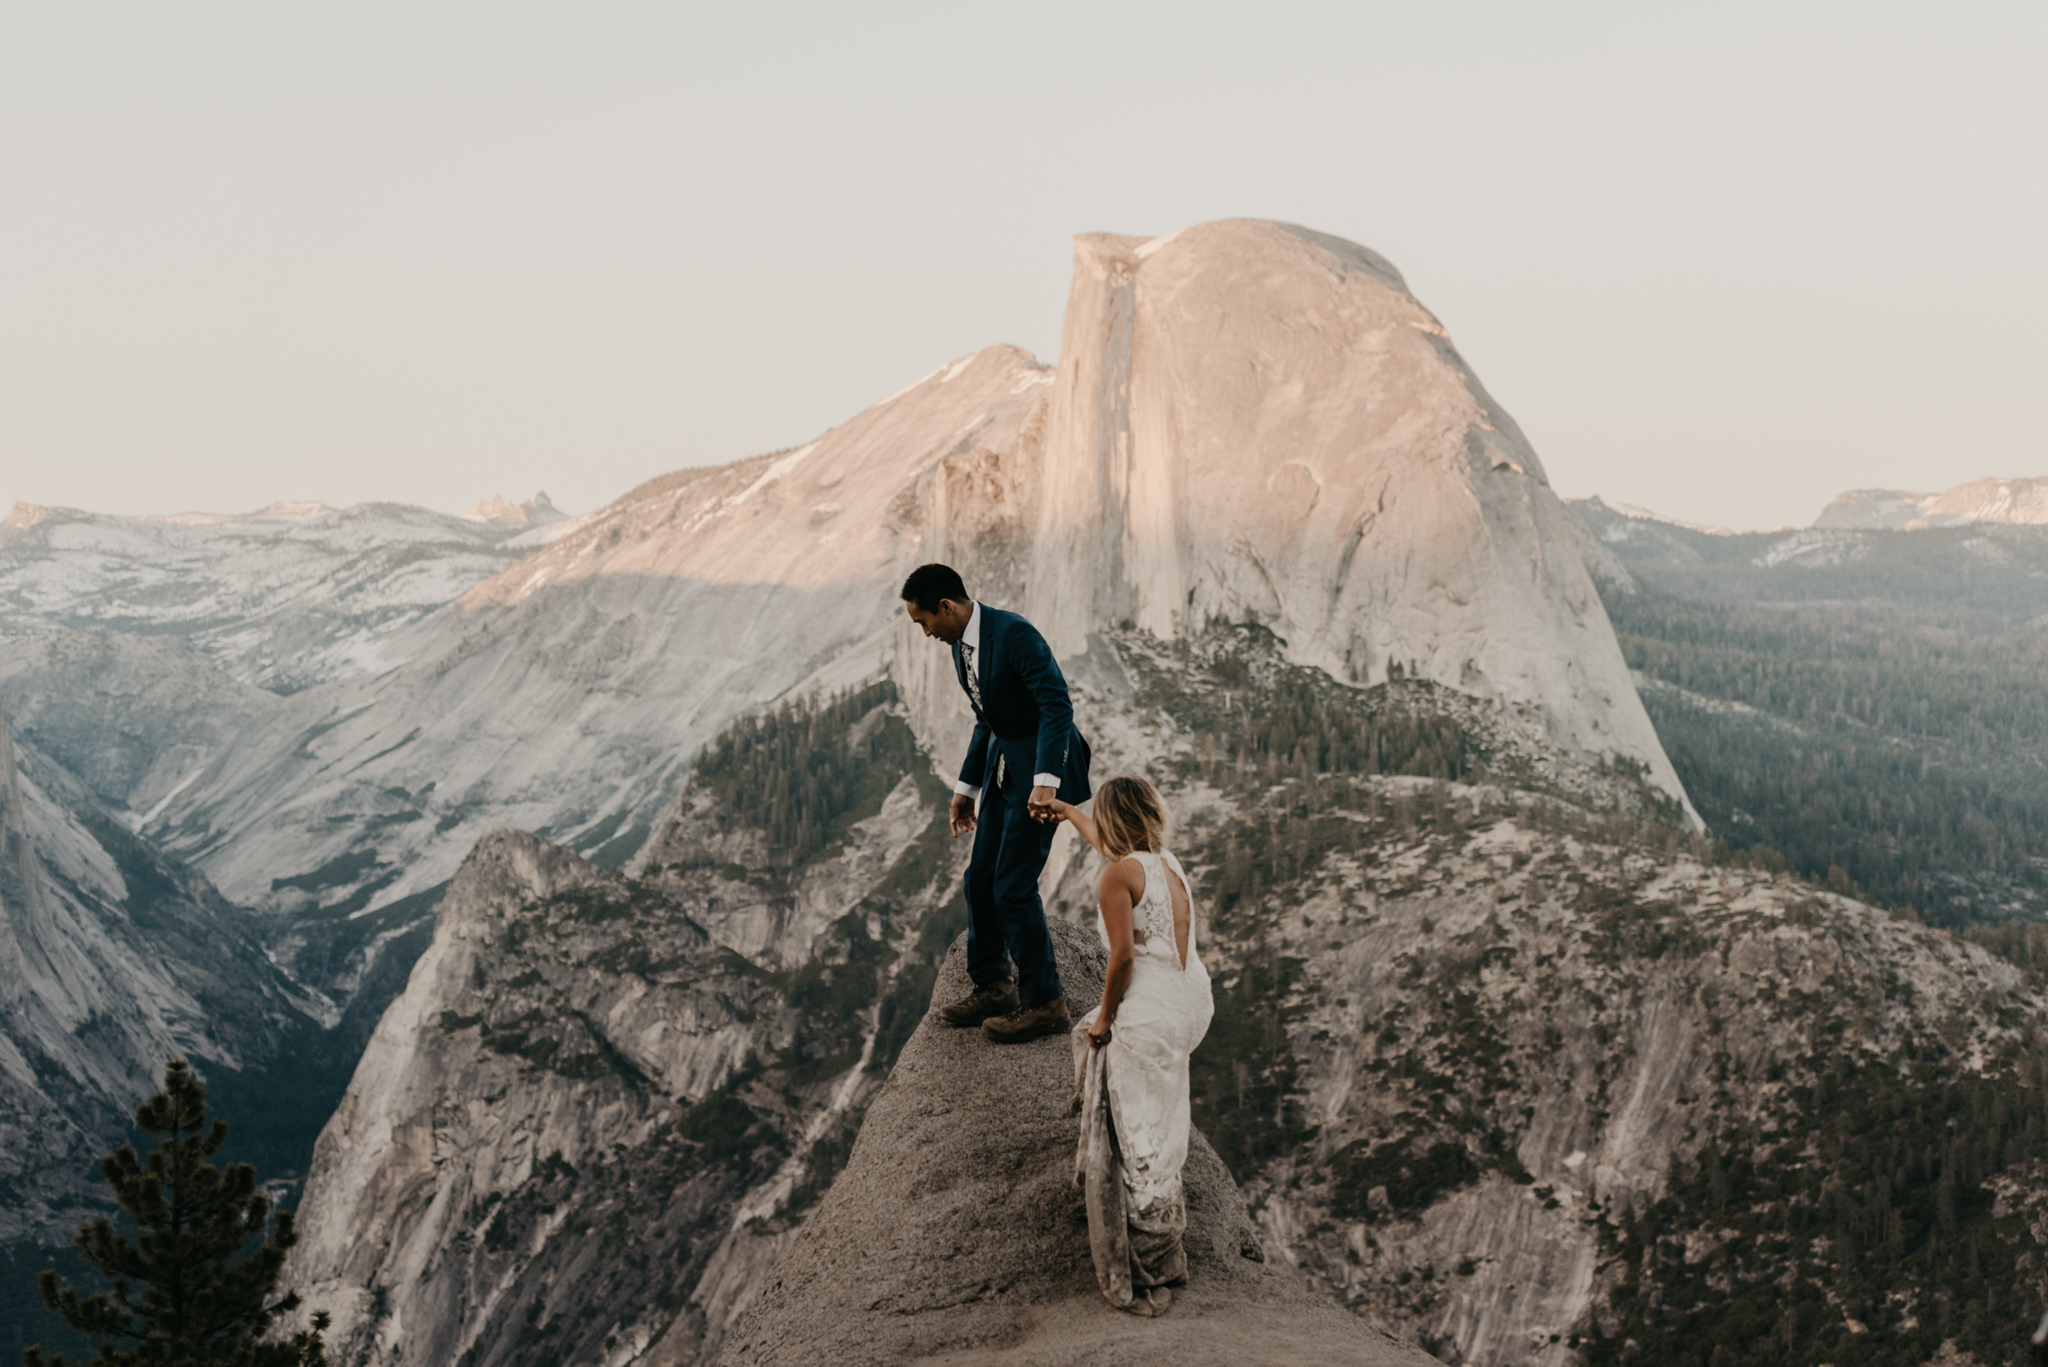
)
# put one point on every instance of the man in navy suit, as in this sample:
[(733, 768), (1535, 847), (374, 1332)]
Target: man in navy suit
[(1025, 752)]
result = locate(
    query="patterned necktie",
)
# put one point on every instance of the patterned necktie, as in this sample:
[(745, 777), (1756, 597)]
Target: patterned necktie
[(973, 684)]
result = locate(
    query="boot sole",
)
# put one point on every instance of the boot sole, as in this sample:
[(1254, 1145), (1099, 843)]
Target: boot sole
[(966, 1021), (1025, 1037), (971, 1023)]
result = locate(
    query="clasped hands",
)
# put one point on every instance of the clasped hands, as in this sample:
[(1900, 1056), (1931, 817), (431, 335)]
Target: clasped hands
[(1044, 805)]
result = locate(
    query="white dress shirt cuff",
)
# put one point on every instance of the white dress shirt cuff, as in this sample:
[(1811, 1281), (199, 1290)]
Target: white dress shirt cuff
[(971, 794), (1045, 780)]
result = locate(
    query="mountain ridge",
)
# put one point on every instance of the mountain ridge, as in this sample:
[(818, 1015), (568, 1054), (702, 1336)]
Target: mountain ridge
[(1994, 500)]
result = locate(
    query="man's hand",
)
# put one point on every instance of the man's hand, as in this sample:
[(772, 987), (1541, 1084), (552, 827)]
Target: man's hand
[(960, 816), (1040, 805)]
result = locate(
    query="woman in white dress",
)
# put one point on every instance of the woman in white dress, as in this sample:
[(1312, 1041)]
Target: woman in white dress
[(1131, 1052)]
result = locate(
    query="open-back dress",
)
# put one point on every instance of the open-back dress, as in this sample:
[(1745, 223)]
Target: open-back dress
[(1133, 1095)]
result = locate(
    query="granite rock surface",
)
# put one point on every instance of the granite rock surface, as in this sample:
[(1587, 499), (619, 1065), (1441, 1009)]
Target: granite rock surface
[(955, 1233)]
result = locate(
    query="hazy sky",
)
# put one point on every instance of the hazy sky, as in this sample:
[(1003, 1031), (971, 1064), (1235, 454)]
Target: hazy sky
[(1723, 260)]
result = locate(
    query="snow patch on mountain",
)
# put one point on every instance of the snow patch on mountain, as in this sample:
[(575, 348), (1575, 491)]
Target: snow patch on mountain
[(285, 598), (1812, 549)]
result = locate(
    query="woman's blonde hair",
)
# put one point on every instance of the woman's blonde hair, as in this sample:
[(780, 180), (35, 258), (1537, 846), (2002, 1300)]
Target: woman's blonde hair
[(1130, 817)]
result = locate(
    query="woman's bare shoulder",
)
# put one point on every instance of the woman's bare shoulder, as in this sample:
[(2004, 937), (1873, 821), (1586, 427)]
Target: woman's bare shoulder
[(1126, 873)]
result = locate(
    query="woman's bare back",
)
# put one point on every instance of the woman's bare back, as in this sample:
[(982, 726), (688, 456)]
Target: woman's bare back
[(1183, 908)]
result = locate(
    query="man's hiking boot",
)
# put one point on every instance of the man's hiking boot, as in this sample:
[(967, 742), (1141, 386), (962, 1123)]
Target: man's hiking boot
[(1029, 1023), (995, 999)]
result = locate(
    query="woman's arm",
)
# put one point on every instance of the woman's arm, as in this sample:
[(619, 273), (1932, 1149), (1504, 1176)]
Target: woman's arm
[(1084, 824), (1116, 894)]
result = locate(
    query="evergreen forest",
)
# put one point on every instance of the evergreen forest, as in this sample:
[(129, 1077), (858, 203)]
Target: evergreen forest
[(1884, 741), (804, 772)]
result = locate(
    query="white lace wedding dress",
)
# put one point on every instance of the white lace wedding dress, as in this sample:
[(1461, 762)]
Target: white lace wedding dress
[(1137, 1087)]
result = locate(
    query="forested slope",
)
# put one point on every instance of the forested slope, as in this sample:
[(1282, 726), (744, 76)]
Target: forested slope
[(1870, 705)]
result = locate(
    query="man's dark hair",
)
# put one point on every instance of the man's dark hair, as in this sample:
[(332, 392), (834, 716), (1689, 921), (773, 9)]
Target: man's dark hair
[(930, 583)]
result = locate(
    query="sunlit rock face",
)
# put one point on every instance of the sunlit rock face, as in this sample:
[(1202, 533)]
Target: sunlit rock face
[(2021, 501), (538, 511), (1256, 421), (567, 694), (1995, 500)]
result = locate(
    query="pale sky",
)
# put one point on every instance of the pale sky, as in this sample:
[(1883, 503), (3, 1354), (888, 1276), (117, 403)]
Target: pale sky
[(1720, 260)]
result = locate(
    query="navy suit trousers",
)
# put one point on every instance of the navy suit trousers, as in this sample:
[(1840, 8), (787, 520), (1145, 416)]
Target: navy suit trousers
[(1005, 918)]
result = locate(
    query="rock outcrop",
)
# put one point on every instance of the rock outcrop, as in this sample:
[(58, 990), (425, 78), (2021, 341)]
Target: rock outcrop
[(489, 1087), (603, 1103), (1512, 1048), (1257, 422), (955, 1233)]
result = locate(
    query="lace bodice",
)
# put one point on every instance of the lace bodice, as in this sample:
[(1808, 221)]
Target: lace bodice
[(1152, 917)]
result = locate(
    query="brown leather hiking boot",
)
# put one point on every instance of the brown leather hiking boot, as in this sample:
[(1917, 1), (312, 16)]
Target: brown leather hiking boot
[(1029, 1023), (996, 999)]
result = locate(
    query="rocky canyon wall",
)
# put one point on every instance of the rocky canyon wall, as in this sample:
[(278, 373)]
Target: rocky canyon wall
[(112, 960)]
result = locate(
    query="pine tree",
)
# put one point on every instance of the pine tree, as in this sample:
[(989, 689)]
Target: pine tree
[(198, 1307)]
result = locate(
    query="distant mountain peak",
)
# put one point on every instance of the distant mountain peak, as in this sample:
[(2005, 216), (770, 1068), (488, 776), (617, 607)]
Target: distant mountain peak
[(2022, 501), (1637, 510), (293, 510), (537, 511)]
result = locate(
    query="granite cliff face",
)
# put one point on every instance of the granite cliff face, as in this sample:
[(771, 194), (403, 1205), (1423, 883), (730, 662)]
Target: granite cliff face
[(587, 1128), (1255, 421), (112, 960), (138, 652), (1531, 1059)]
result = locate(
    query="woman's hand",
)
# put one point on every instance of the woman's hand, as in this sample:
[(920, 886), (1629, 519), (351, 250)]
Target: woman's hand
[(1055, 810), (1098, 1033)]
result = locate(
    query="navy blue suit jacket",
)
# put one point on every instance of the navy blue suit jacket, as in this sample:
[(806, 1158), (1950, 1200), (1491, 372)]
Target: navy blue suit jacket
[(1025, 714)]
